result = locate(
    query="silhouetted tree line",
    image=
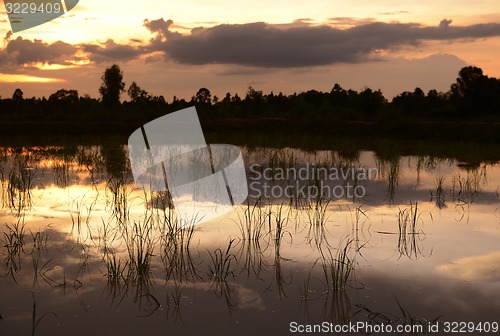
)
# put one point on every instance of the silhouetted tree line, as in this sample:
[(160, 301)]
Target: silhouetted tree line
[(473, 96)]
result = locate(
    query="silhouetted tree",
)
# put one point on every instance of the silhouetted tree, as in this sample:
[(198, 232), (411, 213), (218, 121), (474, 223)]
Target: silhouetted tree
[(224, 107), (475, 93), (137, 94), (338, 95), (112, 86), (418, 92), (66, 96), (467, 82), (254, 102), (254, 95), (134, 91), (203, 96), (18, 95), (412, 103), (236, 99), (371, 102), (432, 94)]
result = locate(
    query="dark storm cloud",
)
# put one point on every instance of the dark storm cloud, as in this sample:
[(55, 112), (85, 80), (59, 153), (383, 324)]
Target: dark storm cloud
[(26, 52), (266, 45), (21, 51), (259, 44), (111, 52)]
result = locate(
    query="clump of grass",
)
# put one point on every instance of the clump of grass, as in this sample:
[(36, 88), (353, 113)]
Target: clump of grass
[(282, 158), (40, 239), (252, 233), (15, 237), (80, 215), (4, 190), (14, 241), (466, 189), (337, 268), (279, 223), (317, 217), (279, 277), (61, 170), (114, 267), (357, 228), (120, 198), (140, 246), (253, 220), (439, 194), (106, 236), (317, 212), (390, 169), (175, 249), (281, 217), (20, 182), (221, 267), (408, 231), (252, 257), (91, 159)]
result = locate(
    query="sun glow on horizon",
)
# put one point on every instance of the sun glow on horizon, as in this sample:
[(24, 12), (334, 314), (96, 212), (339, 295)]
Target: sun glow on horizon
[(16, 78), (96, 34)]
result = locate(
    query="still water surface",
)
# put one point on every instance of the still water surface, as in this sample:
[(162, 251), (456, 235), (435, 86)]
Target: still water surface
[(85, 251)]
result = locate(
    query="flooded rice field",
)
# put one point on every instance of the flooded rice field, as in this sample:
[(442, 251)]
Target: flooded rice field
[(324, 242)]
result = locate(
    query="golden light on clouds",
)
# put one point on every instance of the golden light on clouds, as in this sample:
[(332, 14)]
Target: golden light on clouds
[(14, 78), (483, 267), (45, 66), (78, 46), (71, 64)]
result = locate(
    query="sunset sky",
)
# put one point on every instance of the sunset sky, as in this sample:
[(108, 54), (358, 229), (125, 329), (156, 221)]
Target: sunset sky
[(175, 47)]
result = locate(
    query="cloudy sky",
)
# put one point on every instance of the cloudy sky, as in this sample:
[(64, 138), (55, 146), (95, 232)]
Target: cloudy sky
[(175, 47)]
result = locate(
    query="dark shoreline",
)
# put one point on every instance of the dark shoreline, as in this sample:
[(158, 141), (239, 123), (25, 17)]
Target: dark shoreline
[(410, 130), (477, 131), (469, 142)]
